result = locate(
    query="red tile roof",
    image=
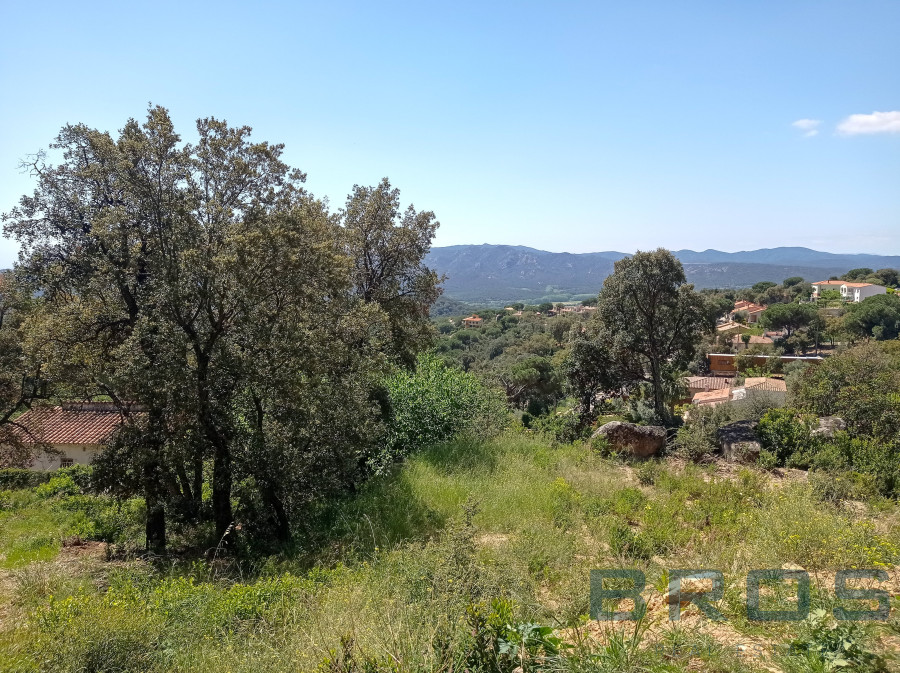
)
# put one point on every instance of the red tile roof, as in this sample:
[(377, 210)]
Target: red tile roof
[(708, 383), (90, 423), (712, 397), (748, 306), (765, 383)]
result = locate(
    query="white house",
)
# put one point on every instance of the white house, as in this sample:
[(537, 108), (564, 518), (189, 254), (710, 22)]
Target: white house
[(855, 292), (70, 434)]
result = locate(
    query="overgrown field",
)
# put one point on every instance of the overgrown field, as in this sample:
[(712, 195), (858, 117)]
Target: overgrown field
[(470, 556)]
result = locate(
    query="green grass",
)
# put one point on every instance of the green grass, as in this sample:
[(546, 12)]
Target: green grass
[(426, 564), (29, 530)]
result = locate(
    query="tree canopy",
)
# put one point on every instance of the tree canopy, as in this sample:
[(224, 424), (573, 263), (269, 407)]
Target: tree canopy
[(649, 324), (877, 317), (241, 328)]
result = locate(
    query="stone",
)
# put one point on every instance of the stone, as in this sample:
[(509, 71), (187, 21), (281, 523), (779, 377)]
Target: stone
[(739, 442), (641, 441), (828, 425)]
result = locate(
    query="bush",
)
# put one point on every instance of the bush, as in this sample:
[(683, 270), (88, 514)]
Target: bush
[(563, 426), (788, 434), (14, 478), (880, 459), (79, 474), (837, 486), (59, 484), (696, 439), (436, 403), (826, 645), (648, 473)]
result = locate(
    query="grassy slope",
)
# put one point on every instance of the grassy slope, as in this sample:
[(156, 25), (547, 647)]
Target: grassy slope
[(395, 570)]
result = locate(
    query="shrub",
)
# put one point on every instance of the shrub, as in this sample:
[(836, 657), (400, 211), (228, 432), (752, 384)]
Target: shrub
[(837, 486), (563, 426), (648, 472), (79, 474), (59, 484), (767, 460), (434, 404), (696, 439), (788, 434), (824, 645), (880, 459), (624, 542), (17, 478)]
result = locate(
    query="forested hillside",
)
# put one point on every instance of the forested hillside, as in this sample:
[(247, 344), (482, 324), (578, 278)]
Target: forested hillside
[(505, 273)]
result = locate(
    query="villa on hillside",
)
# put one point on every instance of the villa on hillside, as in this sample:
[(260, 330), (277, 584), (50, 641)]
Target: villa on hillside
[(854, 292), (473, 321)]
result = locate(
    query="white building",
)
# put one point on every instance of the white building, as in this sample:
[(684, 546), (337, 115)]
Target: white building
[(70, 434), (855, 292)]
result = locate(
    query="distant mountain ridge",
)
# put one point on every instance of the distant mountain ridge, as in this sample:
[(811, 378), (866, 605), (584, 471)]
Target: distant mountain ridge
[(502, 273)]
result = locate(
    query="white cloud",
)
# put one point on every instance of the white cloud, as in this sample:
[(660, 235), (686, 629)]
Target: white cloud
[(808, 126), (877, 122)]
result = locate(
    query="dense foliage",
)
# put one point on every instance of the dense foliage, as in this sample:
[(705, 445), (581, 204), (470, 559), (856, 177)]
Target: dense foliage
[(241, 329), (435, 403)]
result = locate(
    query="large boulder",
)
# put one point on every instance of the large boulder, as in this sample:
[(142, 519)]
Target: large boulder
[(641, 441), (739, 442), (828, 425)]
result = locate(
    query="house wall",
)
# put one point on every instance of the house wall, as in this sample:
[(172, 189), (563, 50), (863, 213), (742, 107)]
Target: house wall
[(79, 454), (870, 291)]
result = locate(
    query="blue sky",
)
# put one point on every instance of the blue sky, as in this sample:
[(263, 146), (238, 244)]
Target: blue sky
[(564, 126)]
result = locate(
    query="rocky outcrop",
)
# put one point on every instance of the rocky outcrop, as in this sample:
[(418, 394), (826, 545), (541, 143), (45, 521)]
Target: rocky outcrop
[(641, 441), (828, 425), (739, 442)]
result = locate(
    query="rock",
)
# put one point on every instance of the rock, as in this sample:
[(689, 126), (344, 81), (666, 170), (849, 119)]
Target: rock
[(738, 441), (828, 425), (641, 441)]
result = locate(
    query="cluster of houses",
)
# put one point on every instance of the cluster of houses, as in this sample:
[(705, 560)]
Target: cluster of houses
[(572, 310), (475, 320)]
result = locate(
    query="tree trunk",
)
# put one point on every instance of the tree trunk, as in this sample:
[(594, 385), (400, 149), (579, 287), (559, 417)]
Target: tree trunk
[(153, 486), (156, 524), (221, 490), (282, 523), (198, 482), (659, 403)]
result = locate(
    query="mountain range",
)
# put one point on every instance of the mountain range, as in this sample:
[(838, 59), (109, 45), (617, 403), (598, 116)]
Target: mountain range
[(505, 273)]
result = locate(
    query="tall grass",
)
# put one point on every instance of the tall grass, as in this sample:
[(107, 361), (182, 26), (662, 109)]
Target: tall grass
[(443, 563)]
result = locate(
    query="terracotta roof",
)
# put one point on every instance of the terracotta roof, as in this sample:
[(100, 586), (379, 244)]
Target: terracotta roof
[(859, 284), (829, 282), (708, 382), (765, 383), (91, 423), (712, 397), (748, 306)]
